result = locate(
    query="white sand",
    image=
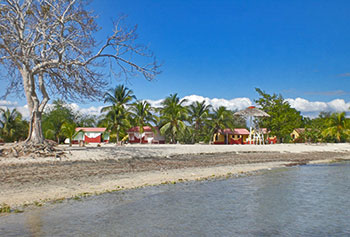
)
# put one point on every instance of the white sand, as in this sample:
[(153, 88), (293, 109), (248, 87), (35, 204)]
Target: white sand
[(126, 181), (131, 180), (111, 151)]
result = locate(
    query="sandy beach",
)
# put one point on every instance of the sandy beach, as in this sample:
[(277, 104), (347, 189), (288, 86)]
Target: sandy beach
[(107, 168)]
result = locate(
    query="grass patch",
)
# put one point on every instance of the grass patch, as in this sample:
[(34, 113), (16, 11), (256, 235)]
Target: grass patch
[(38, 204), (18, 211), (5, 208)]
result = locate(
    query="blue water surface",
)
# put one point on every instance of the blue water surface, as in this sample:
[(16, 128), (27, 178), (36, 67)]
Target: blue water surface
[(312, 200)]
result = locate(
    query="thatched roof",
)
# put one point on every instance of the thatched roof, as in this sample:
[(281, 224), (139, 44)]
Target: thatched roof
[(252, 111)]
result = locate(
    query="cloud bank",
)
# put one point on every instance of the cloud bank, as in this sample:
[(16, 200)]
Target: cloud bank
[(306, 107), (233, 104)]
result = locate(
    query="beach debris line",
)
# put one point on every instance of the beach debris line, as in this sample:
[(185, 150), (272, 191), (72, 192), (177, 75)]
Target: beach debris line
[(21, 149)]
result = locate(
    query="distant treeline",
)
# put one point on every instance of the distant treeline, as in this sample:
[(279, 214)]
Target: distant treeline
[(195, 123)]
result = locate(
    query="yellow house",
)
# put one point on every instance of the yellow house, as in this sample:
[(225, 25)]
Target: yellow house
[(227, 136), (297, 132)]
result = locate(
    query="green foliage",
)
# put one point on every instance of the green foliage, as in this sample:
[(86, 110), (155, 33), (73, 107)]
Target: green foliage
[(283, 119), (142, 114), (198, 117), (12, 126), (54, 118), (179, 123), (68, 130), (85, 120), (118, 97), (220, 119), (5, 208), (173, 115), (117, 118), (338, 127), (312, 134)]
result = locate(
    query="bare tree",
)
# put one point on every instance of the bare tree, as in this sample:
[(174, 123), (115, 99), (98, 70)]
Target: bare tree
[(47, 47)]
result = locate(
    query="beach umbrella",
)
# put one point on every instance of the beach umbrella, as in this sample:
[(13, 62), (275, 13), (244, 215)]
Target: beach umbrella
[(251, 112)]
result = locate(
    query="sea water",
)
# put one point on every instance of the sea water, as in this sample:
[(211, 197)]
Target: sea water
[(311, 200)]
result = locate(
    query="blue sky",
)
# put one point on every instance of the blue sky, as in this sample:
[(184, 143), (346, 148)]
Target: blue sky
[(224, 49), (227, 48)]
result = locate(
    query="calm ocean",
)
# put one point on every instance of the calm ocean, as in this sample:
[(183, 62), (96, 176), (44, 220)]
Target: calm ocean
[(312, 200)]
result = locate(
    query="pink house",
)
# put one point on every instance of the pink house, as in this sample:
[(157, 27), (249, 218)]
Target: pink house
[(149, 135)]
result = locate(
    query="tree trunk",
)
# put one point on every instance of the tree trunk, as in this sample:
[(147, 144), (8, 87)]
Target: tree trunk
[(35, 134), (36, 108), (117, 138)]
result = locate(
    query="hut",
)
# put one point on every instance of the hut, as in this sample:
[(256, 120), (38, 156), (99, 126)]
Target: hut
[(150, 135), (228, 136), (91, 135), (299, 134)]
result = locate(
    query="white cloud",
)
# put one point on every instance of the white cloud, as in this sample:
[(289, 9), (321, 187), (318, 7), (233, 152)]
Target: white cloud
[(23, 110), (91, 110), (233, 104), (309, 107), (155, 103), (306, 107), (6, 103), (13, 104)]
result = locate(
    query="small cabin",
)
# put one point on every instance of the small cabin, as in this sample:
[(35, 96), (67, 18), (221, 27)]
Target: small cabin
[(150, 135), (228, 136), (91, 135), (298, 134)]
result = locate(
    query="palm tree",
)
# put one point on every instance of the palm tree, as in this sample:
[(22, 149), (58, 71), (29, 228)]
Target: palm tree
[(198, 113), (141, 113), (118, 97), (220, 119), (338, 127), (173, 114), (68, 130), (10, 123), (115, 120), (117, 115)]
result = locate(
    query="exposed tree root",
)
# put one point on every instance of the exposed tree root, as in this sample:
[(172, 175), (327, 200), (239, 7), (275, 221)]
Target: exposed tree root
[(29, 149)]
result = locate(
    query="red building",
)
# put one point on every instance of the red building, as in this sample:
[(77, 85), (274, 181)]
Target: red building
[(150, 135), (91, 135)]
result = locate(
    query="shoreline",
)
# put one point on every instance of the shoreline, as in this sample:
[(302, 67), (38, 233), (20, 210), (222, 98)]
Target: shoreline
[(39, 181)]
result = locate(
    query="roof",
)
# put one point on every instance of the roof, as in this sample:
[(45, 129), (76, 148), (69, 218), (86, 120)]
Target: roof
[(236, 131), (91, 129), (252, 111), (302, 130), (240, 131), (145, 129)]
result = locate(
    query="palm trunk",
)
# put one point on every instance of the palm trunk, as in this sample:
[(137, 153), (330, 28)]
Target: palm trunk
[(173, 138), (117, 138)]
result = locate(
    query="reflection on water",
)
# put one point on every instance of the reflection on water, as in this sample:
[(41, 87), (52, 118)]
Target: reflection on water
[(34, 223), (310, 200)]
